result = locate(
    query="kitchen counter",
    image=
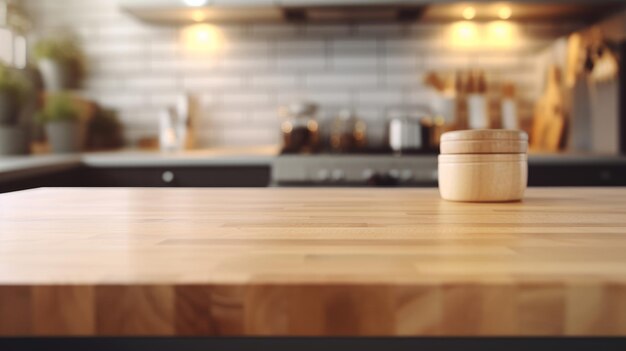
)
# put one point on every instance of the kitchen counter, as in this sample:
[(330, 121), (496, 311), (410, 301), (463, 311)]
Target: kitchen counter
[(12, 168), (17, 167), (206, 262)]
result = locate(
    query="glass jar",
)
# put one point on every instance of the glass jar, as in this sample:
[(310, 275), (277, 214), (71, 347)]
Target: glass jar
[(348, 133), (300, 128)]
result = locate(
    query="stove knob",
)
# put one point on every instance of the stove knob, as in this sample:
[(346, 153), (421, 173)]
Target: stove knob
[(406, 175), (338, 175), (323, 175), (167, 177), (394, 174)]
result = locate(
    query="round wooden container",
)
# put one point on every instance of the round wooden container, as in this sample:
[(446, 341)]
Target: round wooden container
[(483, 165)]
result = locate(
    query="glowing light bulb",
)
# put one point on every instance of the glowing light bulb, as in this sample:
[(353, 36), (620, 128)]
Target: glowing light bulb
[(202, 38), (469, 13), (464, 34), (198, 16), (466, 31), (505, 12), (502, 34)]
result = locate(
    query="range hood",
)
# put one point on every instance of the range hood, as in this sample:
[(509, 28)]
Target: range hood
[(358, 11)]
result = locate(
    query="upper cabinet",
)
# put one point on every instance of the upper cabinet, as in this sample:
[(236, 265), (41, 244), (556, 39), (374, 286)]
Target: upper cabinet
[(350, 11)]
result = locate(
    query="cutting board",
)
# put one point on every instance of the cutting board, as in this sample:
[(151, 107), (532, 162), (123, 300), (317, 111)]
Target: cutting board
[(549, 118)]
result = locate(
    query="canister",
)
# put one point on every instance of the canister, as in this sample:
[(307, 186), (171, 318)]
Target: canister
[(483, 165)]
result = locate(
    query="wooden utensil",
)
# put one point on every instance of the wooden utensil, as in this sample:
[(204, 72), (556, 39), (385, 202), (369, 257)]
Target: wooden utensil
[(550, 121)]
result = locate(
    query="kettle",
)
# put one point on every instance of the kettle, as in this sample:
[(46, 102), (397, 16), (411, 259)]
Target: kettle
[(407, 131)]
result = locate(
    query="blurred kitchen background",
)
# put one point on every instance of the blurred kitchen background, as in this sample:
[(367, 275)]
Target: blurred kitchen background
[(303, 92)]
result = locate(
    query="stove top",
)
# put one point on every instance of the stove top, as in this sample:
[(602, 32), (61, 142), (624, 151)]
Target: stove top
[(355, 170)]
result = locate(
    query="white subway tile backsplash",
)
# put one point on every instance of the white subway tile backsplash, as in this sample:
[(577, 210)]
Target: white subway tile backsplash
[(355, 62), (98, 84), (302, 47), (164, 65), (337, 98), (198, 65), (419, 97), (152, 83), (407, 45), (224, 118), (166, 49), (272, 30), (246, 99), (206, 98), (273, 80), (394, 63), (105, 68), (265, 116), (354, 46), (247, 47), (212, 82), (443, 62), (120, 99), (245, 63), (302, 63), (336, 80), (113, 49), (327, 30), (407, 79), (139, 68), (163, 100), (380, 97), (381, 30)]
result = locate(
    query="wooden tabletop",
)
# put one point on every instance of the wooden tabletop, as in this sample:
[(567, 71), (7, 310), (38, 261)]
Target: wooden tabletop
[(151, 262)]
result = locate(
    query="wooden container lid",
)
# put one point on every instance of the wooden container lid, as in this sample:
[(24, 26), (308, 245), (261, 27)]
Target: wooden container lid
[(484, 141), (489, 158), (485, 134)]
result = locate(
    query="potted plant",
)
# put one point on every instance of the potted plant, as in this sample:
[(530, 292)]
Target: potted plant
[(62, 123), (12, 89), (13, 134), (61, 63), (104, 130)]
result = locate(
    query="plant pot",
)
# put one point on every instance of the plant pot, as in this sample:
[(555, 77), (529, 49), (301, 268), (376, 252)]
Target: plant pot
[(58, 75), (14, 140), (65, 136), (9, 108)]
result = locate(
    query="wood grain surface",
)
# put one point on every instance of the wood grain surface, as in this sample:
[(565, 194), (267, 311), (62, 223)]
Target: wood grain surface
[(213, 262)]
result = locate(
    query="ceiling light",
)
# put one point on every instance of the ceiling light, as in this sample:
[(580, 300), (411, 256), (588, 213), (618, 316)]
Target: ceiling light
[(505, 12), (195, 3), (469, 13)]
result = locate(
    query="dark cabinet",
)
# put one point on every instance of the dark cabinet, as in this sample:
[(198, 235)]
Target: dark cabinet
[(600, 174), (220, 176), (212, 176)]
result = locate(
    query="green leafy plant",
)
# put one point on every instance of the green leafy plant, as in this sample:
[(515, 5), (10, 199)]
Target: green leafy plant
[(12, 82), (63, 49), (59, 108)]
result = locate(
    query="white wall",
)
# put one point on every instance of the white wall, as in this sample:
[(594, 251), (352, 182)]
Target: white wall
[(139, 68)]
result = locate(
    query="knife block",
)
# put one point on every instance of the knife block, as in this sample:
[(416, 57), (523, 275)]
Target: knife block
[(483, 165)]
